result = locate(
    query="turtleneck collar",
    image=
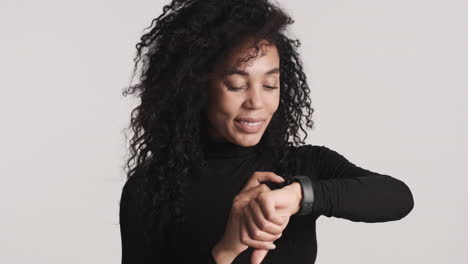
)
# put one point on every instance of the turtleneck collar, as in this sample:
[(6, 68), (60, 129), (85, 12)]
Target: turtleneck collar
[(226, 149)]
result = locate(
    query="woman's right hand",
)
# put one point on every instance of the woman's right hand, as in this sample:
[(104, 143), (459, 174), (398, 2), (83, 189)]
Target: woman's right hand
[(230, 245)]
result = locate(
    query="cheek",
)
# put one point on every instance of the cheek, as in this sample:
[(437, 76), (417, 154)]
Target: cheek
[(229, 104), (273, 103), (225, 107)]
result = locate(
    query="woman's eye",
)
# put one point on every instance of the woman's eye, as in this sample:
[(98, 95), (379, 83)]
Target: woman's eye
[(232, 88)]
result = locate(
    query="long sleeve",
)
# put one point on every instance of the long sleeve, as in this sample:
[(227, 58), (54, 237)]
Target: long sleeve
[(344, 190), (130, 231), (133, 249)]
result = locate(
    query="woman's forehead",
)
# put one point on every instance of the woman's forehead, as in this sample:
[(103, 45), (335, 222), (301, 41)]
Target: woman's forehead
[(242, 58)]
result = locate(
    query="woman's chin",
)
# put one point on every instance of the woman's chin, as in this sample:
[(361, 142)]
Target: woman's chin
[(248, 140)]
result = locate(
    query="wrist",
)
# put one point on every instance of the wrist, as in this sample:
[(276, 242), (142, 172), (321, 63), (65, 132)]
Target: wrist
[(296, 189), (222, 255), (307, 194)]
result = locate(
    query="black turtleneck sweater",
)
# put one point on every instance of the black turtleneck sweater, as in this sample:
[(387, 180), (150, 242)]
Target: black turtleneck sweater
[(341, 189)]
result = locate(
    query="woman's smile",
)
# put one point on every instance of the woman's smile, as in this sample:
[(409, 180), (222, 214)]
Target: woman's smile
[(249, 127)]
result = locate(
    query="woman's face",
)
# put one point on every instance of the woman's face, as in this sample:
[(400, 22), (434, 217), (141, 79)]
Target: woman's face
[(249, 92)]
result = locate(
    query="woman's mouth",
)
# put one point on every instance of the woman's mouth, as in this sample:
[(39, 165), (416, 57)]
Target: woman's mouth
[(249, 127)]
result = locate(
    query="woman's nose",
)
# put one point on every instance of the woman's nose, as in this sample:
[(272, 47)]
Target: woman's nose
[(254, 97)]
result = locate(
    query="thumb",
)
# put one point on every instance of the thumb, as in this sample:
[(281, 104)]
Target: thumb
[(258, 255), (244, 197), (262, 176), (255, 191)]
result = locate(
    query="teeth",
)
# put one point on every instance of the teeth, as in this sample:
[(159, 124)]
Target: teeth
[(250, 124)]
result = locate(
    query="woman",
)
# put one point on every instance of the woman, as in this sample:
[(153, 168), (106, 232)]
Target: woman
[(222, 90)]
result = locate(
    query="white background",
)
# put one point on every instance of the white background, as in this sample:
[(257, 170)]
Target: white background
[(389, 85)]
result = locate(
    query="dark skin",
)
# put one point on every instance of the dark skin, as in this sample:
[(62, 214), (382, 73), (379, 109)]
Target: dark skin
[(258, 215), (257, 218)]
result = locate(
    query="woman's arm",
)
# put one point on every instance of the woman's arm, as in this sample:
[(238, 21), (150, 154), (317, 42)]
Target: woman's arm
[(130, 231), (133, 248), (344, 190), (220, 255)]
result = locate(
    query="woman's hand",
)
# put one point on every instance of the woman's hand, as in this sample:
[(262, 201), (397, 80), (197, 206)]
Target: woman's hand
[(266, 216), (230, 244)]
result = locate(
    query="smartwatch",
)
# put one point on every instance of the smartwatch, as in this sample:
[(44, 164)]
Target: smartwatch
[(307, 194)]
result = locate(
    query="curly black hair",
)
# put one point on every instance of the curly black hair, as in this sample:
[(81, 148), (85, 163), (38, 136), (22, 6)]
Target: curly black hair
[(175, 58)]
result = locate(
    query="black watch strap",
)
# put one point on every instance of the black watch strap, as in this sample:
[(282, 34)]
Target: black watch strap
[(307, 194)]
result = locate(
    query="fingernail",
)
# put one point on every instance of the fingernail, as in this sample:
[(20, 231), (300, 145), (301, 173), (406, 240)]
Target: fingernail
[(272, 246), (281, 178)]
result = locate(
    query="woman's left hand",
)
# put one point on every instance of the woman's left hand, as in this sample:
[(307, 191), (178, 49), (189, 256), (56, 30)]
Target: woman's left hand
[(268, 207)]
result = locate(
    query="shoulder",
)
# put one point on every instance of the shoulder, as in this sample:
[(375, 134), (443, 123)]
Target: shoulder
[(329, 162), (322, 158), (131, 188), (130, 202), (311, 159), (313, 152)]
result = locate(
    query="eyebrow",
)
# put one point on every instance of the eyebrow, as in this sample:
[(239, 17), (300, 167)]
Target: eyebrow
[(240, 72)]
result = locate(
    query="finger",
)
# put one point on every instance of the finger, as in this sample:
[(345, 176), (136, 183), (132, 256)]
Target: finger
[(286, 221), (261, 176), (260, 221), (251, 194), (246, 240), (254, 232), (258, 255), (268, 210)]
